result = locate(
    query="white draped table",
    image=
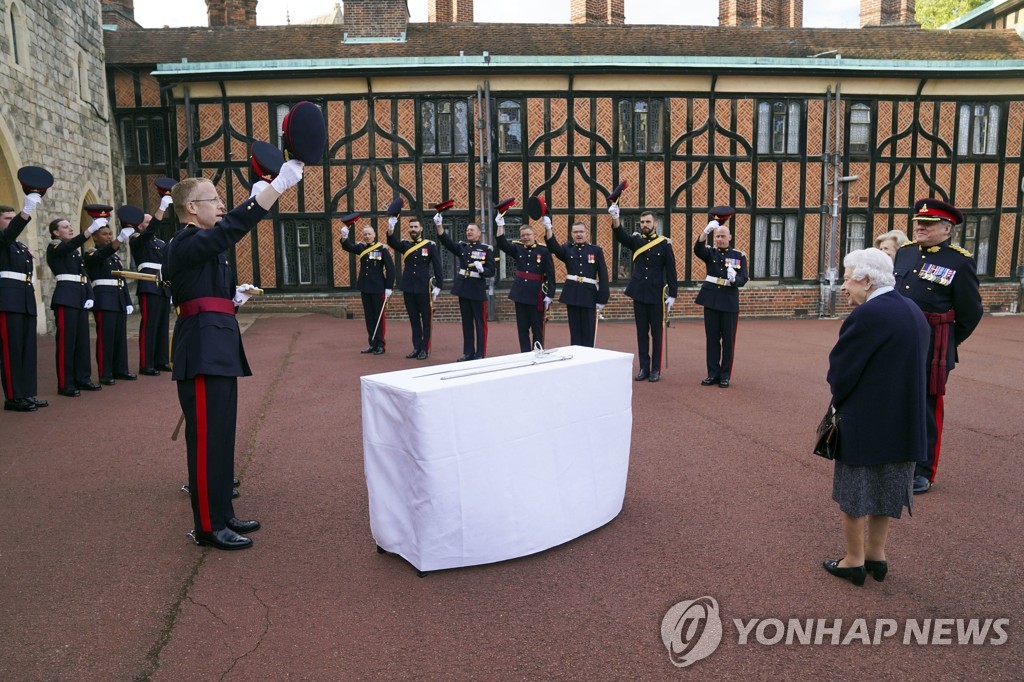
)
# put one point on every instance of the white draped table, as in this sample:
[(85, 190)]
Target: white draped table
[(467, 470)]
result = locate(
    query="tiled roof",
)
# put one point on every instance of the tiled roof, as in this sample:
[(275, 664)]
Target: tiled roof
[(424, 40)]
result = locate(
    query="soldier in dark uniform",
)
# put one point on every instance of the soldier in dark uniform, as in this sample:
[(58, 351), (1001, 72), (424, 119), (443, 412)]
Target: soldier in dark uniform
[(71, 298), (154, 300), (207, 354), (654, 268), (942, 279), (17, 311), (533, 285), (113, 305), (720, 296), (418, 257), (474, 264), (585, 290), (375, 281)]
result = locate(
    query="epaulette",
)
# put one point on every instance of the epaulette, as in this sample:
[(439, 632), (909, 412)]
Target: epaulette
[(910, 243), (54, 242), (740, 252), (516, 241), (961, 250)]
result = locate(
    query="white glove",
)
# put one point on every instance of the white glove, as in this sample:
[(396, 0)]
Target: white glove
[(32, 200), (613, 211), (731, 275), (478, 265), (89, 303), (392, 221), (344, 231), (241, 297), (257, 187), (165, 202), (434, 292), (97, 224), (669, 302), (599, 306), (499, 220), (712, 226), (438, 219), (387, 293), (546, 221), (288, 176), (547, 302), (129, 309), (124, 234)]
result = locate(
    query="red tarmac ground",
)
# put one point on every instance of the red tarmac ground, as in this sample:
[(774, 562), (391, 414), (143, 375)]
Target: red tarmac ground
[(99, 581)]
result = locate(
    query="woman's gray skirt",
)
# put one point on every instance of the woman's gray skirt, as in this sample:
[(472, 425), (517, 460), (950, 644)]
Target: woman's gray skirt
[(878, 490)]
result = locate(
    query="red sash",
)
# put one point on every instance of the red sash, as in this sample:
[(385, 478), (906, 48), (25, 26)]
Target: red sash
[(206, 304), (940, 323)]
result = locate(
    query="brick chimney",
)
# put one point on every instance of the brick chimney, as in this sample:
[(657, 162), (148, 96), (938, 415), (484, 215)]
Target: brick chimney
[(887, 13), (231, 12), (120, 13), (375, 21), (763, 13), (597, 11), (449, 11)]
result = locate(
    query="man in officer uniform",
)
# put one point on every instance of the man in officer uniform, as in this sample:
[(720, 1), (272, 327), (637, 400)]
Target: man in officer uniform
[(375, 281), (654, 269), (719, 294), (208, 356), (154, 300), (942, 279), (418, 256), (585, 290), (113, 303), (72, 297), (474, 264), (533, 285), (17, 311)]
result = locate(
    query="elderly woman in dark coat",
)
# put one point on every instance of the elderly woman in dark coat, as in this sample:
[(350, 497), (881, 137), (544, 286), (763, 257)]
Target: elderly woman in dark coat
[(877, 372)]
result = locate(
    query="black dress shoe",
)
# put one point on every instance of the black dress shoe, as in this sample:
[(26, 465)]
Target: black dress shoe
[(164, 368), (877, 569), (464, 358), (89, 386), (921, 485), (149, 372), (422, 355), (642, 375), (235, 494), (378, 351), (235, 482), (368, 349), (37, 402), (710, 381), (20, 405), (855, 574), (413, 355), (107, 382), (225, 538), (723, 382), (242, 527), (69, 392), (655, 376), (127, 376)]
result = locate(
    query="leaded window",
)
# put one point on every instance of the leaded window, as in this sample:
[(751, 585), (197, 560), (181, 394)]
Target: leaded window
[(144, 139), (975, 235), (774, 247), (778, 127), (856, 232), (641, 125), (859, 142), (305, 257), (978, 129), (510, 129), (444, 127)]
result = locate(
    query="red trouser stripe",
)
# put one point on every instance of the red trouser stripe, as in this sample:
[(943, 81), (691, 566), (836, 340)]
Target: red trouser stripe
[(62, 339), (99, 344), (202, 480), (485, 329), (143, 330), (938, 436), (6, 343)]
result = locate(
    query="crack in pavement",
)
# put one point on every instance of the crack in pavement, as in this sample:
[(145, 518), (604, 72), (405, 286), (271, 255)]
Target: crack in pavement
[(268, 396), (170, 620), (266, 629), (208, 609)]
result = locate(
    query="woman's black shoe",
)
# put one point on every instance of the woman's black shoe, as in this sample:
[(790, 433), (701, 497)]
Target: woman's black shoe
[(855, 574), (877, 569)]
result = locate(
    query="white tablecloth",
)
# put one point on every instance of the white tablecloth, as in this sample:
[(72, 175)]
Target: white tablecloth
[(472, 470)]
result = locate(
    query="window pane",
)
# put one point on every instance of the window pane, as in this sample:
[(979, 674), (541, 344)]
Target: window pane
[(655, 125), (158, 146), (461, 127), (288, 253), (860, 127), (444, 127), (142, 139), (427, 127), (779, 128), (793, 129), (128, 141), (964, 130), (992, 143), (760, 232), (856, 226), (305, 262), (625, 126), (640, 131), (509, 128), (764, 120), (775, 248), (789, 268), (980, 132), (984, 237)]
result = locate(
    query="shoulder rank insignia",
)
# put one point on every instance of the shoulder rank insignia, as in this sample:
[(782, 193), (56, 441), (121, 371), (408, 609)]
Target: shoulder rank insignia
[(961, 250)]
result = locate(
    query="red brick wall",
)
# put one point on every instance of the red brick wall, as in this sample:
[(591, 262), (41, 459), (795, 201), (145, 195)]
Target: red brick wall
[(376, 18), (764, 13), (597, 11), (886, 12), (449, 11), (231, 12)]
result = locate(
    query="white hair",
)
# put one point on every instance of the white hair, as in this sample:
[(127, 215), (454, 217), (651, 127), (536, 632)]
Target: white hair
[(873, 265)]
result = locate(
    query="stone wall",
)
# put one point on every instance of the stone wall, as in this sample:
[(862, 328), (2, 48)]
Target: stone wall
[(47, 117)]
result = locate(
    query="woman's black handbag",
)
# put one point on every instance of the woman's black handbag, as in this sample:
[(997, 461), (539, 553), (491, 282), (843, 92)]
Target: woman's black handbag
[(827, 445)]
